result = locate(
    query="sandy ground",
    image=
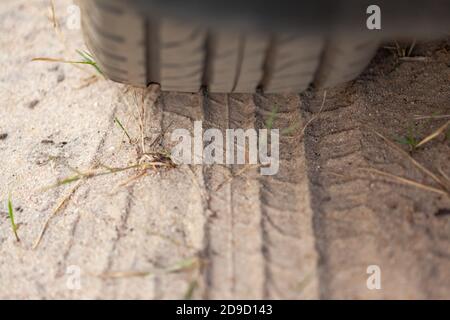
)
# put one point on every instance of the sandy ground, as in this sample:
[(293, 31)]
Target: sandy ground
[(216, 231)]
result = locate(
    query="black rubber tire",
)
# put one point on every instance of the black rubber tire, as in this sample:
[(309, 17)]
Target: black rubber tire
[(135, 49)]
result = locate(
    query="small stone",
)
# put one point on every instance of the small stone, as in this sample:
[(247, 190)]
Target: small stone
[(33, 104), (3, 136), (61, 77), (442, 212)]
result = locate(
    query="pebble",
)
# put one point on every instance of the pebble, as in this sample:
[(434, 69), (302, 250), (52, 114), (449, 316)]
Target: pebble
[(33, 104), (61, 77)]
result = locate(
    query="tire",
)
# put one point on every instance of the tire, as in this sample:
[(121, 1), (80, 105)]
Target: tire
[(134, 49)]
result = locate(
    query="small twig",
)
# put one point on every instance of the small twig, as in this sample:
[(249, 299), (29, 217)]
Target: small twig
[(400, 51), (45, 59), (434, 134), (414, 59), (56, 25), (316, 115), (237, 174), (407, 181), (444, 175), (123, 274), (54, 20), (88, 81), (61, 205), (133, 178), (443, 116), (411, 48)]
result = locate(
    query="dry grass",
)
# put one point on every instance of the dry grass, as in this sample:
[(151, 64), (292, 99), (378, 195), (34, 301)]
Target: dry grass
[(406, 181), (146, 159), (237, 175), (441, 180), (87, 58), (324, 99), (404, 52), (269, 124), (80, 177), (442, 116), (414, 59), (434, 135), (59, 207), (419, 166), (159, 161)]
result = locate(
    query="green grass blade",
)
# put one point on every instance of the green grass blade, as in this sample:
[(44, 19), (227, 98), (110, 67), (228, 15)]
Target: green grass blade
[(190, 290), (89, 59), (272, 117), (116, 120), (11, 217)]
